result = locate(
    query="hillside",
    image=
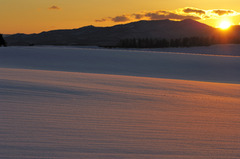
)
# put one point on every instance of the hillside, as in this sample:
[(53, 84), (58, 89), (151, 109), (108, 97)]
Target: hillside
[(91, 35), (124, 62)]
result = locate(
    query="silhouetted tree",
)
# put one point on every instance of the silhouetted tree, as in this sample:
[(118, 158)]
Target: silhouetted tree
[(2, 41), (179, 42)]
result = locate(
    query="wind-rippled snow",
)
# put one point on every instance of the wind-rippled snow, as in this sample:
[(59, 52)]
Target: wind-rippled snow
[(50, 108)]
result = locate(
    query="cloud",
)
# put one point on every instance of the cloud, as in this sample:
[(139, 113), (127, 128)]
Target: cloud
[(101, 20), (158, 15), (138, 16), (222, 12), (54, 8), (178, 14), (121, 18), (117, 19), (194, 10)]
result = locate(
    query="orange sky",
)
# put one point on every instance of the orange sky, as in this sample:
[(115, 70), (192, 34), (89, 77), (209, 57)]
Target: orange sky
[(29, 16)]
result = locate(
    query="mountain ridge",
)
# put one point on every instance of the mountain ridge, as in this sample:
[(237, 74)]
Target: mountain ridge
[(91, 35)]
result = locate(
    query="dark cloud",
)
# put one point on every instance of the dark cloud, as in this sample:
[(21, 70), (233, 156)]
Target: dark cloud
[(101, 20), (194, 10), (138, 16), (156, 16), (179, 14), (168, 15), (54, 7), (122, 18), (221, 12)]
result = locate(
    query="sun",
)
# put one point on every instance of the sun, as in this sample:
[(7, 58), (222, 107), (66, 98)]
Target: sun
[(225, 25)]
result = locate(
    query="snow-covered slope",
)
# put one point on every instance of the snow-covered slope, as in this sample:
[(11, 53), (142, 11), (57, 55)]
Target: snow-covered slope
[(55, 114), (118, 108), (122, 62), (226, 50)]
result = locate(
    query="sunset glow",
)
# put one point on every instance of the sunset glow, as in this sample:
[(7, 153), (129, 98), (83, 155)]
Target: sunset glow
[(28, 16), (224, 25)]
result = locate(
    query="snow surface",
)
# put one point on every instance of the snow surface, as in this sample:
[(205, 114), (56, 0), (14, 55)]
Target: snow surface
[(74, 103), (226, 49), (124, 62)]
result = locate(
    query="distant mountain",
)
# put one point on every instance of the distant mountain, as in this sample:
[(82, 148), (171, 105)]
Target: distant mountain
[(6, 35), (91, 35)]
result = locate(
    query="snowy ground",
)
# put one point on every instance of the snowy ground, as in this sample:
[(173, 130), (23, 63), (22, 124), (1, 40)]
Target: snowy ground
[(226, 49), (76, 103), (220, 49), (123, 62)]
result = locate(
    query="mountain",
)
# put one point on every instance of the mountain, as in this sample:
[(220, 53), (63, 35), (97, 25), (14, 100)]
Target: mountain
[(91, 35), (6, 35)]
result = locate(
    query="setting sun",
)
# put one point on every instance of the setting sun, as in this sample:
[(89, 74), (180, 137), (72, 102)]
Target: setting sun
[(224, 25)]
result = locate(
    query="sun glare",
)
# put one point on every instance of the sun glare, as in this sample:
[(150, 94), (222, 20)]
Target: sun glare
[(224, 25)]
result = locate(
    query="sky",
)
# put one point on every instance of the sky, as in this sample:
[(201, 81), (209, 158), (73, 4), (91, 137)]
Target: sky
[(35, 16)]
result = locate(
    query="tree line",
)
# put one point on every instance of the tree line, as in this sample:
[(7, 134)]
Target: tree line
[(178, 42)]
